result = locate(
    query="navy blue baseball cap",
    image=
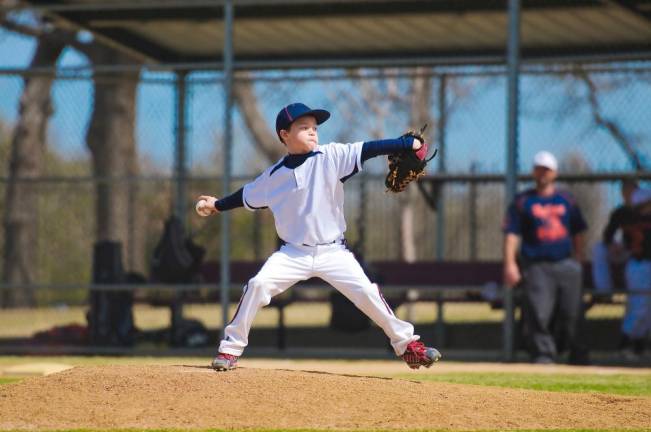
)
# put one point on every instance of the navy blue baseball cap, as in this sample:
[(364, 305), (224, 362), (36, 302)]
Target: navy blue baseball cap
[(291, 112)]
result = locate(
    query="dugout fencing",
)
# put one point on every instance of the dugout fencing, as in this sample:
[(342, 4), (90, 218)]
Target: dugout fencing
[(593, 117)]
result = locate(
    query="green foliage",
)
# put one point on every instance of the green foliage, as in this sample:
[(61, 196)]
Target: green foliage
[(632, 385), (65, 221)]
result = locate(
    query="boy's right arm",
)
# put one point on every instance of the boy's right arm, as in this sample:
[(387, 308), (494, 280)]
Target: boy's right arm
[(210, 205)]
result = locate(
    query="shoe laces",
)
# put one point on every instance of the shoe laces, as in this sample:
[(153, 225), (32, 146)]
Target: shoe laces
[(416, 348), (229, 357)]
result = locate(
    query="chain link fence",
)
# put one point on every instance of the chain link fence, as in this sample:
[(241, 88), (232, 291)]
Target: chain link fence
[(594, 118)]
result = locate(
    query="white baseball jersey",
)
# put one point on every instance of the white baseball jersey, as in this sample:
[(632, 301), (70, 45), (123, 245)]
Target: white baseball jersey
[(308, 201)]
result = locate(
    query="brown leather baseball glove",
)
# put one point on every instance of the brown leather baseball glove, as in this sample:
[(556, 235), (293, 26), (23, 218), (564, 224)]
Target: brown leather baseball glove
[(408, 165)]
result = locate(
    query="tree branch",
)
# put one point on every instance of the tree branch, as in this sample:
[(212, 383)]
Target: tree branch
[(19, 28), (56, 34), (615, 131)]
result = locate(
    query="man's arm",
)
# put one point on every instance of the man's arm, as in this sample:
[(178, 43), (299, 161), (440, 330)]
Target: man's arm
[(511, 271)]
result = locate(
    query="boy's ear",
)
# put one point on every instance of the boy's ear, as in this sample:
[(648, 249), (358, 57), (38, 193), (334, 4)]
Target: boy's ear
[(283, 135)]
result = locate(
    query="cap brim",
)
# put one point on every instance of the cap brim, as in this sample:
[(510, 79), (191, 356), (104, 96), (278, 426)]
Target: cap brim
[(319, 114)]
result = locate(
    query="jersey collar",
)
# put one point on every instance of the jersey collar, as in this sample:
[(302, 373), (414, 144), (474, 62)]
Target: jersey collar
[(293, 161)]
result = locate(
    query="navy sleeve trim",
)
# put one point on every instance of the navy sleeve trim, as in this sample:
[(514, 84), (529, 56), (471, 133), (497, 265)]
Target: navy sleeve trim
[(231, 202), (254, 208), (278, 166), (355, 171), (371, 149)]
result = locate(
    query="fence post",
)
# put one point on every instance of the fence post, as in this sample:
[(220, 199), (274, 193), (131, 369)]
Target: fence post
[(361, 217), (513, 67), (180, 173), (508, 324), (472, 197), (440, 201), (180, 168), (228, 145)]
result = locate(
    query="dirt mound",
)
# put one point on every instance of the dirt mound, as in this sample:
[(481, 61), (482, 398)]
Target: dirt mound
[(107, 397)]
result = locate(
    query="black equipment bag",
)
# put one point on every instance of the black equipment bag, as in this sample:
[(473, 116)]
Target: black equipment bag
[(176, 258), (110, 318)]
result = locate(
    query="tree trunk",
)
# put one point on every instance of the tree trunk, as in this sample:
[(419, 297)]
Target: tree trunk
[(420, 114), (26, 162), (265, 138), (111, 139)]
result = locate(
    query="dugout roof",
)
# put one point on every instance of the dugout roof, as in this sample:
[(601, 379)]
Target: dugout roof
[(314, 33)]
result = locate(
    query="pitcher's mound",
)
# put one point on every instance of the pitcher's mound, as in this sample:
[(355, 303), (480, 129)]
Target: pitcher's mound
[(108, 397)]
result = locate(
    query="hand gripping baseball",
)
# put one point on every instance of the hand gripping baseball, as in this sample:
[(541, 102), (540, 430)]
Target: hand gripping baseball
[(206, 206)]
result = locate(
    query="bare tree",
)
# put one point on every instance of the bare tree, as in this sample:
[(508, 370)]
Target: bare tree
[(28, 146), (601, 120), (420, 103), (264, 137), (589, 196), (110, 137), (111, 140)]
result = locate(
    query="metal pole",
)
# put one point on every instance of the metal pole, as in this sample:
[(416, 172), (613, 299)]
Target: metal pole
[(228, 145), (180, 173), (440, 201), (472, 197), (257, 236), (180, 168), (361, 217), (513, 72)]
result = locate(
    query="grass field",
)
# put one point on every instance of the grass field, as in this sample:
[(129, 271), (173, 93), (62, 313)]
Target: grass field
[(632, 385), (25, 322), (8, 380)]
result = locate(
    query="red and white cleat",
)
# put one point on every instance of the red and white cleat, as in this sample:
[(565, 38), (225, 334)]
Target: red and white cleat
[(417, 355), (224, 362)]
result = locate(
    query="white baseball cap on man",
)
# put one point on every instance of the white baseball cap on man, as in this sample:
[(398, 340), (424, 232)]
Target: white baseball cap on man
[(545, 159)]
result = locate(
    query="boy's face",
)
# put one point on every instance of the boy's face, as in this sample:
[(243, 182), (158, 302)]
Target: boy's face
[(302, 136)]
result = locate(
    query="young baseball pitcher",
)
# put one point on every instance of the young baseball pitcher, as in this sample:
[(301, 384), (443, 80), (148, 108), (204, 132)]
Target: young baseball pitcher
[(304, 191)]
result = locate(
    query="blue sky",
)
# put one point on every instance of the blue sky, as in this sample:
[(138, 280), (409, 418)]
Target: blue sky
[(476, 128)]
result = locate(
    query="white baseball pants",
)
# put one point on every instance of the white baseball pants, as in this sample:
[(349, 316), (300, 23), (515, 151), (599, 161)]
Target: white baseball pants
[(334, 264)]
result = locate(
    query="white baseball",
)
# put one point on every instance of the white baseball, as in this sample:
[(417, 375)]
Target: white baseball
[(202, 209)]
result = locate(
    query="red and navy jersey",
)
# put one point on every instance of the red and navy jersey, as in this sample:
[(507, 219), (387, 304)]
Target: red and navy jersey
[(546, 224)]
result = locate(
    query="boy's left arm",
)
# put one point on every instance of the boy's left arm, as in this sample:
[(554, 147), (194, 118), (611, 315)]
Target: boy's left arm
[(371, 149)]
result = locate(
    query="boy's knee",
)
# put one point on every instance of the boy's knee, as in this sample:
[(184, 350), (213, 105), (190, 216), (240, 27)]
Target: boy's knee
[(260, 287)]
